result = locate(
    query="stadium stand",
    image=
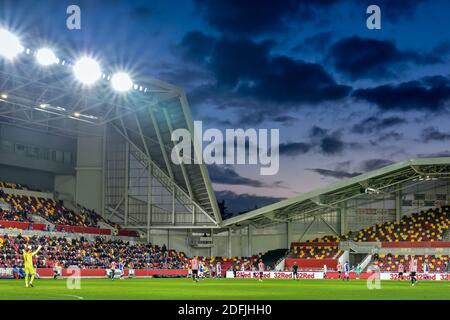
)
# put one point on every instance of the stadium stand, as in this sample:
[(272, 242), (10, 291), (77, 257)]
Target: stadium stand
[(22, 207), (19, 216), (12, 185), (318, 250), (234, 263), (424, 229), (430, 225), (390, 262), (86, 254)]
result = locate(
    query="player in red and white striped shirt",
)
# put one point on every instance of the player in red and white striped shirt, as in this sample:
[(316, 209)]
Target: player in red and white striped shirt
[(401, 270), (413, 270), (113, 266), (261, 269), (194, 268)]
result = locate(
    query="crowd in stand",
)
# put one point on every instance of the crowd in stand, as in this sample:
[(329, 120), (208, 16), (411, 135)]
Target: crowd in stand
[(48, 209), (23, 206), (88, 254), (315, 252), (424, 226), (12, 185), (14, 215), (395, 263), (235, 263), (430, 225)]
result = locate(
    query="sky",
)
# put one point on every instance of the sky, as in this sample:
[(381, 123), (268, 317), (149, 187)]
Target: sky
[(346, 99)]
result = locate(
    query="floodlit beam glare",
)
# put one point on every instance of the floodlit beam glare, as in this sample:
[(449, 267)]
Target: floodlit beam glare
[(46, 57), (87, 70), (10, 45), (121, 82)]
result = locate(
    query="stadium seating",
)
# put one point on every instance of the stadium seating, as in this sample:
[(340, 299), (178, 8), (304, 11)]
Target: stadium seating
[(89, 255), (391, 262), (22, 207), (314, 252), (48, 209), (430, 225), (19, 216), (230, 264), (424, 226), (12, 185)]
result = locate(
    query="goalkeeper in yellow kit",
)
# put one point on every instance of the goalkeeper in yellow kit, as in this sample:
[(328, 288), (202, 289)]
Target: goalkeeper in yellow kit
[(28, 264)]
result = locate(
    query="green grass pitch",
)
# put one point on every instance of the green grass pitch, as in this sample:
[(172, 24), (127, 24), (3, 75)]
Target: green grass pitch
[(233, 289)]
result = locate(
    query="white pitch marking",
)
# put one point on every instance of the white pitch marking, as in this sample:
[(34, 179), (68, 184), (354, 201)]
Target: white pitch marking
[(69, 295)]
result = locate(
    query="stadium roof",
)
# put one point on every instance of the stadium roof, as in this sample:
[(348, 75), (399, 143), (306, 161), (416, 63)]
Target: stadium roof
[(50, 100), (323, 200)]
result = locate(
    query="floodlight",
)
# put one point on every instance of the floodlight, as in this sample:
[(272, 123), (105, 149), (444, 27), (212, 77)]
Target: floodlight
[(121, 82), (46, 57), (4, 96), (87, 70), (10, 45)]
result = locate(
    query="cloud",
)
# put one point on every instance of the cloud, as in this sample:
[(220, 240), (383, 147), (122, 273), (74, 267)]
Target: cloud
[(256, 17), (239, 203), (247, 75), (394, 10), (374, 124), (317, 132), (143, 12), (338, 174), (358, 57), (427, 94), (321, 141), (315, 43), (373, 164), (294, 148), (195, 46), (332, 145), (223, 174), (441, 154), (286, 120), (391, 135), (433, 134)]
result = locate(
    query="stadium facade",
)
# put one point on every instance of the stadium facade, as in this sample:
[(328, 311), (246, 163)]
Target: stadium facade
[(112, 153)]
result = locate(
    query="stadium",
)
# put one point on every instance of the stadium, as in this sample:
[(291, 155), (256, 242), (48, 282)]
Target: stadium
[(89, 189)]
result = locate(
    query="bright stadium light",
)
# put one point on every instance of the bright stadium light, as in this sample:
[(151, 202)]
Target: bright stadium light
[(87, 70), (46, 57), (10, 45), (121, 82)]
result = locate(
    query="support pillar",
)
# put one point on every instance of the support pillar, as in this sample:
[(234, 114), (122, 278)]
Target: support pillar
[(342, 213), (249, 240), (288, 234), (398, 202), (127, 180), (229, 243), (149, 202)]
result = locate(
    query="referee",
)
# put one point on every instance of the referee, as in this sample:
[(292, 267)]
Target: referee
[(295, 271)]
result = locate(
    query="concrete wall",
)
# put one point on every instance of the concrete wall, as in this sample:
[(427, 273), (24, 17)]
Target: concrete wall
[(89, 171), (11, 137), (65, 187), (35, 179)]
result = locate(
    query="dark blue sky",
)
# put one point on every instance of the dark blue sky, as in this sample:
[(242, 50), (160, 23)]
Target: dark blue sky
[(346, 99)]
